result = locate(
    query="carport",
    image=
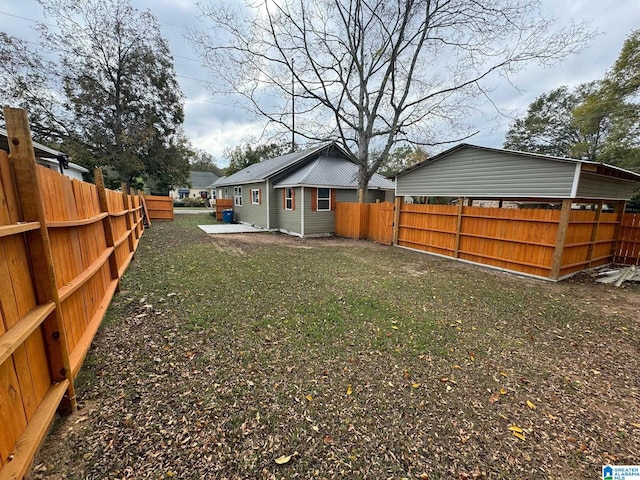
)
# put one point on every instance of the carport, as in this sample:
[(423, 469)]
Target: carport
[(578, 229)]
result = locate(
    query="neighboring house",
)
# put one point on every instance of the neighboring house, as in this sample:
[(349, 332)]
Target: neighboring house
[(49, 158), (201, 186), (296, 193)]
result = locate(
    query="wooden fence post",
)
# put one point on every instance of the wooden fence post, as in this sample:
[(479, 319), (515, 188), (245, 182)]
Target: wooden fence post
[(397, 205), (619, 209), (458, 226), (104, 206), (127, 216), (41, 258), (561, 236)]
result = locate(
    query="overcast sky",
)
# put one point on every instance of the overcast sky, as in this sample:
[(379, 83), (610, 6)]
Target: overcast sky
[(214, 123)]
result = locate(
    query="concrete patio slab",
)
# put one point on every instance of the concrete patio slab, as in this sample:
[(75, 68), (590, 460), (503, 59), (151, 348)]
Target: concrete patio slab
[(230, 228)]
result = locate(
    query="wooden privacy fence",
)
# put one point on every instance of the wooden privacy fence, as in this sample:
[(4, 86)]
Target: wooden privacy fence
[(159, 208), (221, 205), (628, 251), (373, 221), (545, 243), (63, 246)]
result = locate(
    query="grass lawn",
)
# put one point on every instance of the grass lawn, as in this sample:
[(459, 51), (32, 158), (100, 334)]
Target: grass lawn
[(222, 354)]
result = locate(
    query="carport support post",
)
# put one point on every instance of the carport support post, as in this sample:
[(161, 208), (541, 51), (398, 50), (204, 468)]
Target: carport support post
[(594, 233), (396, 219), (563, 226)]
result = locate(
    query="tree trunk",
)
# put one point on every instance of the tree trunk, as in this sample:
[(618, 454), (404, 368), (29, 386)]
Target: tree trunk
[(363, 165)]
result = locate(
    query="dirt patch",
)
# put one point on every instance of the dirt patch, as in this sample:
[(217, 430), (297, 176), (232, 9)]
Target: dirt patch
[(244, 242)]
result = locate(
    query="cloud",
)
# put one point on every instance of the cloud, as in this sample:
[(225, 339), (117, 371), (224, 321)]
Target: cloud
[(215, 122)]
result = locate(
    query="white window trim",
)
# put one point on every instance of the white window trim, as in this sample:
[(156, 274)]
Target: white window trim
[(318, 209), (257, 192), (237, 196), (288, 205)]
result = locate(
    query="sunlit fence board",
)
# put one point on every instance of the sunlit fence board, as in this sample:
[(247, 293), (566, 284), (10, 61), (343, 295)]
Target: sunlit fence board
[(60, 267)]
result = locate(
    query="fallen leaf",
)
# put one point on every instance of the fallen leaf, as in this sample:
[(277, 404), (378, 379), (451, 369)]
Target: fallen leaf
[(394, 327), (637, 425), (456, 367), (531, 405), (309, 397), (504, 374), (503, 391), (315, 428), (518, 435), (472, 356), (328, 440), (285, 458), (515, 428), (416, 385), (349, 390), (494, 398)]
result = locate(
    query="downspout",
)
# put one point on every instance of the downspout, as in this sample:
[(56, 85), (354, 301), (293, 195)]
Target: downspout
[(63, 163), (268, 209), (302, 213)]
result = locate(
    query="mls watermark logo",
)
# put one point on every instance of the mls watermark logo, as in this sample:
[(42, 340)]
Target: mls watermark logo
[(621, 472)]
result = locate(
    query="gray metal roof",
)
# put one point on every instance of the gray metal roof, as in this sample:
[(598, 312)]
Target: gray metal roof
[(40, 151), (199, 179), (598, 167), (259, 172), (331, 172)]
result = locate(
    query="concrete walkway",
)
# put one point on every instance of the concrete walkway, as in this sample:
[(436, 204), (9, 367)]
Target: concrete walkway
[(193, 210), (229, 228)]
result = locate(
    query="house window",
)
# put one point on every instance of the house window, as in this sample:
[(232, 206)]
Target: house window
[(237, 196), (226, 192), (183, 193), (324, 199), (255, 196), (288, 198)]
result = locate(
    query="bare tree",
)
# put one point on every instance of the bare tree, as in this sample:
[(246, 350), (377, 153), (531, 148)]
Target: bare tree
[(371, 73)]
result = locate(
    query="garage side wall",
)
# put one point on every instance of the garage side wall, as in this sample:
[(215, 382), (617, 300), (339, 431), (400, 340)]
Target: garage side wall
[(486, 174)]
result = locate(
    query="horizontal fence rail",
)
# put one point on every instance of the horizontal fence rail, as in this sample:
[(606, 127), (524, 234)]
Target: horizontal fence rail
[(64, 244)]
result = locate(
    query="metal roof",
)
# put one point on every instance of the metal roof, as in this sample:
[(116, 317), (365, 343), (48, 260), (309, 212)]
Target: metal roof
[(198, 179), (261, 171), (595, 167), (331, 172), (40, 151)]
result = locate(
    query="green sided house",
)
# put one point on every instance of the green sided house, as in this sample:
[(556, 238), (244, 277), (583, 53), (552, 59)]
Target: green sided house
[(296, 193)]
